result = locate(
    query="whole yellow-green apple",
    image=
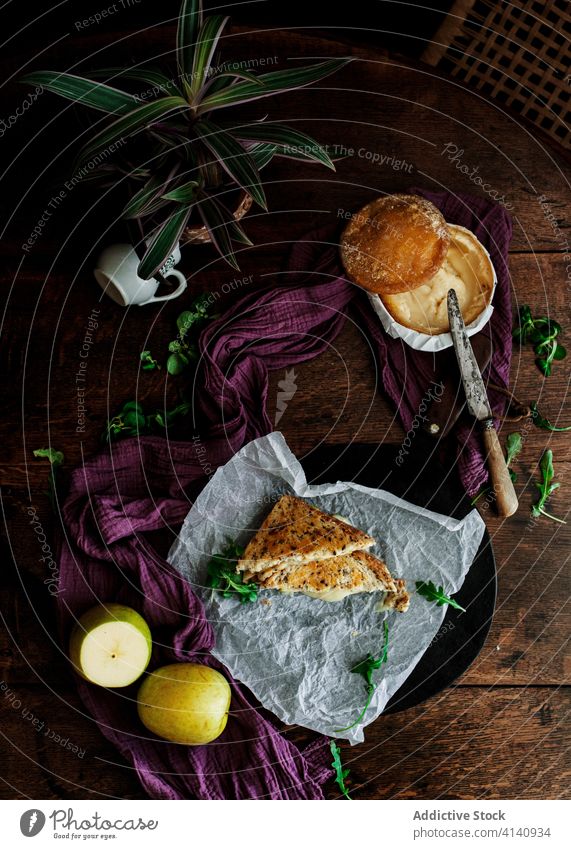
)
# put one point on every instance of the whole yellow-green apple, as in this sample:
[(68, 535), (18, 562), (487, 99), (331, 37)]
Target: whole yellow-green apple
[(111, 645), (185, 703)]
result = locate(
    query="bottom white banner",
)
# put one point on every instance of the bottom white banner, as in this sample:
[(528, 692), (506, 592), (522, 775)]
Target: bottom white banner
[(183, 823)]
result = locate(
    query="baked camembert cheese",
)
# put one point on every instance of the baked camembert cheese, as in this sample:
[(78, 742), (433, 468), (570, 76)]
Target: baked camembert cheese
[(467, 269)]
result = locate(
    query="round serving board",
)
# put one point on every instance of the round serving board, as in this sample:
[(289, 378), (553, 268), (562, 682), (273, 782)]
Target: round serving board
[(425, 481)]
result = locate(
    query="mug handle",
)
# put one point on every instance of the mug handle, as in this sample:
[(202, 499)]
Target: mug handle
[(178, 291)]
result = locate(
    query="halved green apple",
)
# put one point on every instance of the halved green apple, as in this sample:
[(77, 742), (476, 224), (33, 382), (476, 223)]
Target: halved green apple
[(110, 645)]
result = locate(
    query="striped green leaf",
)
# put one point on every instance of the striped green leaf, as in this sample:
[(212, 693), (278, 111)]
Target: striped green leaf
[(81, 90), (262, 154), (163, 243), (135, 207), (129, 124), (236, 232), (216, 225), (210, 33), (225, 79), (233, 157), (292, 142), (189, 24), (185, 193), (274, 82), (154, 78)]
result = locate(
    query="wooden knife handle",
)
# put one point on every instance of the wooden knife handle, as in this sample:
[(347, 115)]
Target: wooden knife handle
[(502, 486)]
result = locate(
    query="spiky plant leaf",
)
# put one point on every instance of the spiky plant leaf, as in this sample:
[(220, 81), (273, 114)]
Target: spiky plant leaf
[(226, 79), (274, 82), (81, 90), (142, 116), (163, 243), (154, 78), (135, 207), (185, 193), (233, 158), (216, 224), (262, 154), (189, 24), (210, 33), (289, 141)]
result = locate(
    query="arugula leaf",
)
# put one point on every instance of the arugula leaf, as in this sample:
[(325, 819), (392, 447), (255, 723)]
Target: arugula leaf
[(340, 773), (183, 350), (514, 444), (432, 593), (541, 332), (542, 423), (223, 577), (365, 668), (148, 361), (131, 420), (56, 459), (546, 487)]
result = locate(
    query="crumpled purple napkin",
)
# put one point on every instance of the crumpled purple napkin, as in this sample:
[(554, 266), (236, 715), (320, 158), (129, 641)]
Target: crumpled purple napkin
[(106, 554), (136, 487)]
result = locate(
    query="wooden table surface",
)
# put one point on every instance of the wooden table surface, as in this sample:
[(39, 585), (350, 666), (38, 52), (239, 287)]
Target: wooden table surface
[(502, 730)]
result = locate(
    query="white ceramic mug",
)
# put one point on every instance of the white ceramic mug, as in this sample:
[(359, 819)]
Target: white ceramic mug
[(116, 273)]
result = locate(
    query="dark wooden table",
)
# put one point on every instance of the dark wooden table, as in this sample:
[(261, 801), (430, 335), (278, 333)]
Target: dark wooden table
[(502, 730)]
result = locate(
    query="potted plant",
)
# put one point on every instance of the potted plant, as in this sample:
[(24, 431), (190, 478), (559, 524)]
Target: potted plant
[(181, 159)]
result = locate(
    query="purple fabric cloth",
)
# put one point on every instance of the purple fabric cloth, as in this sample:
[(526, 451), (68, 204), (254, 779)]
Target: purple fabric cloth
[(114, 501), (119, 498)]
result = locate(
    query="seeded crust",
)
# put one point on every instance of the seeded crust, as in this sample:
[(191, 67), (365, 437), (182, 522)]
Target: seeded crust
[(295, 533), (357, 572), (394, 244)]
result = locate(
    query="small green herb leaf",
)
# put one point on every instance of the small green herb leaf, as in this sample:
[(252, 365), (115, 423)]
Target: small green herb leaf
[(340, 773), (148, 361), (223, 577), (429, 591), (176, 364), (546, 487), (514, 444), (365, 668), (56, 459), (541, 332), (542, 423)]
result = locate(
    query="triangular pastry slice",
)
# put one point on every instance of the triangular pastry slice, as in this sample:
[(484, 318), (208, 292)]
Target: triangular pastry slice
[(295, 533), (332, 579)]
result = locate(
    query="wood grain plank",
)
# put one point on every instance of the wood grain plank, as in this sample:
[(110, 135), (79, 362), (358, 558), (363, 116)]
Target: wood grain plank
[(469, 743)]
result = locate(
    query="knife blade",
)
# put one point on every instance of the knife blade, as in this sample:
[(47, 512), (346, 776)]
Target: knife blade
[(479, 407)]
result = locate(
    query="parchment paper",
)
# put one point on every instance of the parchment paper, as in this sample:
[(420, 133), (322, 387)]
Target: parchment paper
[(293, 652)]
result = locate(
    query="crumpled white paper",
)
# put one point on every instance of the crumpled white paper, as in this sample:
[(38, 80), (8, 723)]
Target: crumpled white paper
[(296, 653)]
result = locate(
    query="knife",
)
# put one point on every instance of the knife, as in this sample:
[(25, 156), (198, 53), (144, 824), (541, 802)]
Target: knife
[(479, 407)]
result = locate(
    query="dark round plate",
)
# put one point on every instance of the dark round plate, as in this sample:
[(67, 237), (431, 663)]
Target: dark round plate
[(426, 481)]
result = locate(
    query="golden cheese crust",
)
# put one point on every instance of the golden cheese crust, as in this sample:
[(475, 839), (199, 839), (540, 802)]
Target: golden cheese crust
[(394, 244), (295, 532)]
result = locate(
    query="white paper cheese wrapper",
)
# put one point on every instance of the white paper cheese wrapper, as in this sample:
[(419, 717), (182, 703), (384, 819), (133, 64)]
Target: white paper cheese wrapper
[(296, 653)]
